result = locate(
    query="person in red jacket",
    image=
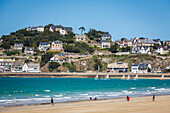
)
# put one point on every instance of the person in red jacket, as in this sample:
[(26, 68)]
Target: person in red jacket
[(128, 98)]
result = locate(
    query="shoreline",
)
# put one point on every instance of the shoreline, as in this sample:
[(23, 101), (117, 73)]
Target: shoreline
[(103, 106), (48, 103)]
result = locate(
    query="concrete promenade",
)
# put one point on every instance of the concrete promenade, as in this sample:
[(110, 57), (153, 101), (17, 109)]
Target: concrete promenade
[(85, 75)]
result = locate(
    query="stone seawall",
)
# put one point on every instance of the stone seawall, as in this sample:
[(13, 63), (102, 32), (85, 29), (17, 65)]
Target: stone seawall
[(85, 75)]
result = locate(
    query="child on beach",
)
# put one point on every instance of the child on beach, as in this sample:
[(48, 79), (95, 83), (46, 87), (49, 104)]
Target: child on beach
[(128, 98), (90, 98), (95, 98)]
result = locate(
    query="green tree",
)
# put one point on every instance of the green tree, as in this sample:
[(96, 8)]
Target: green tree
[(53, 65), (82, 29), (45, 58), (113, 48)]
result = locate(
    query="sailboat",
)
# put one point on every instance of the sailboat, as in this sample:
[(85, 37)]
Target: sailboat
[(136, 77), (123, 77), (162, 78), (97, 76), (128, 78), (107, 77)]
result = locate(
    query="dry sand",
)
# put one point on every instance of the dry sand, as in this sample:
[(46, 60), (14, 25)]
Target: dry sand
[(135, 105)]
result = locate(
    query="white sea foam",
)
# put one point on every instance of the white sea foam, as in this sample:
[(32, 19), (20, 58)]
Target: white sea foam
[(152, 87), (133, 88), (111, 95), (47, 90), (127, 92), (83, 94), (162, 90), (58, 95), (40, 99), (58, 98), (66, 97), (46, 96), (36, 95)]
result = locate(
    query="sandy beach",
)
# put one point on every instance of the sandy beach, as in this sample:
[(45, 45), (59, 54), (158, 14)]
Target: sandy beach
[(135, 105)]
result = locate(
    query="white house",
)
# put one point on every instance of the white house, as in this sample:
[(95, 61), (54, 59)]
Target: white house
[(38, 28), (29, 50), (117, 67), (43, 46), (60, 58), (141, 49), (161, 50), (105, 44), (63, 30), (144, 68), (31, 67), (80, 38), (134, 68), (18, 46), (105, 36)]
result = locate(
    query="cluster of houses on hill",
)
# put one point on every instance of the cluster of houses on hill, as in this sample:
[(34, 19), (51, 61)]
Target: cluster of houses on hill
[(8, 65), (103, 42), (144, 45), (135, 68), (139, 45)]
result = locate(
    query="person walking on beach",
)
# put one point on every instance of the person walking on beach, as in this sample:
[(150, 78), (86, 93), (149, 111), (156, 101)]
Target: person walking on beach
[(90, 98), (128, 98), (52, 102), (153, 97)]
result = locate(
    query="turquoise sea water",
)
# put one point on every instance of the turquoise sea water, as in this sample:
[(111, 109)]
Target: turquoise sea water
[(19, 91)]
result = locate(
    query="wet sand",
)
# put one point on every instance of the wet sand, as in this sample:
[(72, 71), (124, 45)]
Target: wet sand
[(135, 105)]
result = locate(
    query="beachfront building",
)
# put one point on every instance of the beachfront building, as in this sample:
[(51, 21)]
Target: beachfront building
[(144, 68), (141, 49), (18, 46), (37, 28), (57, 46), (17, 66), (79, 38), (156, 70), (118, 67), (6, 65), (29, 50), (63, 30), (44, 46), (60, 58), (31, 67), (134, 68)]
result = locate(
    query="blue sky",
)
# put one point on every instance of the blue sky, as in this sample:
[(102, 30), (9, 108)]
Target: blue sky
[(121, 18)]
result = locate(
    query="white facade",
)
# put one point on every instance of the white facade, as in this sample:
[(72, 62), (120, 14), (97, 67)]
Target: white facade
[(18, 46), (134, 68), (80, 37), (43, 46), (38, 28), (143, 68), (161, 50), (141, 49), (105, 44), (31, 67)]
